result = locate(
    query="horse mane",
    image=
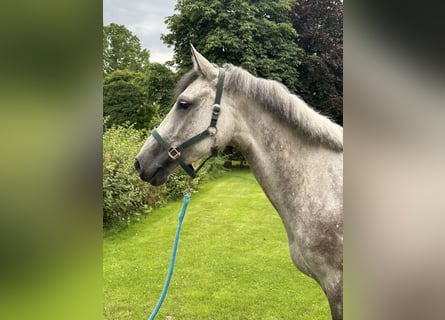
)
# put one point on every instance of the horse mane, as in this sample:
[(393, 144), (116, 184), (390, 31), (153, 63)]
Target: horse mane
[(276, 99)]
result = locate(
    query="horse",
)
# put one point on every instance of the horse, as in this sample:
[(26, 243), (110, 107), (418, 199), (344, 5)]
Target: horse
[(295, 153)]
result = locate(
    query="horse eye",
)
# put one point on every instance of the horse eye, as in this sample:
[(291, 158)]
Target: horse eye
[(183, 104)]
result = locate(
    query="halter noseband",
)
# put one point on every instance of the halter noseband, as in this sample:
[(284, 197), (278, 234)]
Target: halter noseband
[(175, 153)]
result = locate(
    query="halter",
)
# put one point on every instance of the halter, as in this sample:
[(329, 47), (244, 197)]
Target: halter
[(175, 152)]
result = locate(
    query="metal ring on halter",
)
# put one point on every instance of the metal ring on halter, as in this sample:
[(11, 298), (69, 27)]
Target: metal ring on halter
[(212, 131)]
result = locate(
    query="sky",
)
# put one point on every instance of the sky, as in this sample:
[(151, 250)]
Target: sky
[(145, 19)]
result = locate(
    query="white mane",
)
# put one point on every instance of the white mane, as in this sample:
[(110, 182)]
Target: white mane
[(277, 99)]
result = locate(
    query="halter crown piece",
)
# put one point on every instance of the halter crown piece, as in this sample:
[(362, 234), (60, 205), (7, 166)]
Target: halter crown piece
[(175, 152)]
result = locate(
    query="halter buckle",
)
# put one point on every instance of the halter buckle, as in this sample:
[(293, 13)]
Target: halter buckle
[(174, 153)]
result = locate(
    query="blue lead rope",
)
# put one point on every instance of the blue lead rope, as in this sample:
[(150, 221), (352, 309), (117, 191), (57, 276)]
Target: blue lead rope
[(173, 258)]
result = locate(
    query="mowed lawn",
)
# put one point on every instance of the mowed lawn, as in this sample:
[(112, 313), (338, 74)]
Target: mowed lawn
[(233, 261)]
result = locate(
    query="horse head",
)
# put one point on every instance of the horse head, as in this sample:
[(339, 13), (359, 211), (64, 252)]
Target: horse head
[(184, 136)]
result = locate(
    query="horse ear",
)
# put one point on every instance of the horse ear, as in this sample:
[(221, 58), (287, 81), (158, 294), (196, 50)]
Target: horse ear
[(202, 65)]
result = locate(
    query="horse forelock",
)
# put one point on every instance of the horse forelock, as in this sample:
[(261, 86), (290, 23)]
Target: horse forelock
[(186, 80), (274, 97)]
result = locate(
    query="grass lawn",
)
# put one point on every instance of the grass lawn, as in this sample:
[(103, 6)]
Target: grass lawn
[(233, 261)]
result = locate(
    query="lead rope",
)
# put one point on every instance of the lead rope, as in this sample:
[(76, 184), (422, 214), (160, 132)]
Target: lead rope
[(175, 154), (185, 203)]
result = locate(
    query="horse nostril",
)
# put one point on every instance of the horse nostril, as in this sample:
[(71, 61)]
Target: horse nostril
[(137, 165)]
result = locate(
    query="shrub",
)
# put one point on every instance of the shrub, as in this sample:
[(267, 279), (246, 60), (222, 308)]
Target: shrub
[(178, 182), (124, 193)]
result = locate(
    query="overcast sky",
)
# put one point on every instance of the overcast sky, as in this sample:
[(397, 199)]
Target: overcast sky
[(145, 18)]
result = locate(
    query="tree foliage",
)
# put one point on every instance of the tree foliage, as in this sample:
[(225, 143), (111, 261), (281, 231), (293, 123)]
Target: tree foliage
[(320, 28), (122, 50), (256, 35), (134, 89), (125, 99), (160, 85)]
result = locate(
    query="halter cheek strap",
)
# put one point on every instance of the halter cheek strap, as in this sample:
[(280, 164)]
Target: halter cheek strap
[(175, 152)]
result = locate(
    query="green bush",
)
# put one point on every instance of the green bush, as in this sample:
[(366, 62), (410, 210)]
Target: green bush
[(179, 181), (124, 193)]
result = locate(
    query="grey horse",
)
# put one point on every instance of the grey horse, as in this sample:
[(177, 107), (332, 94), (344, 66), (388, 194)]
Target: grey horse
[(295, 153)]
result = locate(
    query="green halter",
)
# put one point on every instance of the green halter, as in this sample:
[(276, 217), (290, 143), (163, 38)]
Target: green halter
[(175, 152)]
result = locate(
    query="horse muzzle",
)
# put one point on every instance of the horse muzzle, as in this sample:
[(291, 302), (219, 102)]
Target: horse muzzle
[(154, 166), (156, 175)]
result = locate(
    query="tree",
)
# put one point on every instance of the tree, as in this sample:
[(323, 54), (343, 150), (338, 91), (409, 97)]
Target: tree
[(256, 35), (160, 85), (122, 50), (320, 28), (125, 99)]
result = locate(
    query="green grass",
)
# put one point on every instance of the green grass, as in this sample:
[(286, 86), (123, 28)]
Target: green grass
[(233, 261)]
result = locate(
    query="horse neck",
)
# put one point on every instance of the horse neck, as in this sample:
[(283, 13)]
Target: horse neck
[(280, 156), (265, 142)]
